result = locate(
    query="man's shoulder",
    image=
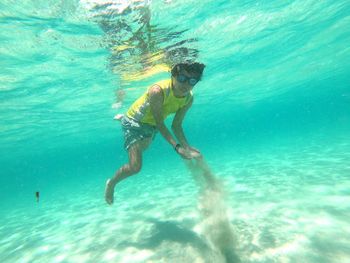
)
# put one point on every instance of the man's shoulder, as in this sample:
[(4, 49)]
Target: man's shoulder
[(155, 89)]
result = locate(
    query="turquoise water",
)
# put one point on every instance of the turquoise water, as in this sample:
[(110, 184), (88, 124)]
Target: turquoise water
[(271, 117)]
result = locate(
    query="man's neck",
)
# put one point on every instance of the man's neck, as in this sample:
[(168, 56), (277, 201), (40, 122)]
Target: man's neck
[(175, 92)]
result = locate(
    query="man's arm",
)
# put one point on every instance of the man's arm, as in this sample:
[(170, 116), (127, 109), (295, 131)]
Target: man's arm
[(156, 104), (177, 124)]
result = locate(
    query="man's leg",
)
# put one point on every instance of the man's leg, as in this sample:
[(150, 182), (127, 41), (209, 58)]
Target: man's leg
[(132, 167)]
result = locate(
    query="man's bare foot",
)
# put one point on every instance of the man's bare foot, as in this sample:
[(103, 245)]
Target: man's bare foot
[(118, 117), (109, 192)]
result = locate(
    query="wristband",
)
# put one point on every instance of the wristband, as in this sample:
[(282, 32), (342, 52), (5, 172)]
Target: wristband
[(177, 146)]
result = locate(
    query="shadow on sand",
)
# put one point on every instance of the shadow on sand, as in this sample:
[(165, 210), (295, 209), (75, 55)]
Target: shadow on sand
[(168, 231), (171, 231)]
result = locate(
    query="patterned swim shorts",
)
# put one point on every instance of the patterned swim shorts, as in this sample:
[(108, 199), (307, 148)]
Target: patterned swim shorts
[(135, 131)]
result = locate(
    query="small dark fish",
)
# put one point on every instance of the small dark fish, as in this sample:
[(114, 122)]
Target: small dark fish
[(37, 195)]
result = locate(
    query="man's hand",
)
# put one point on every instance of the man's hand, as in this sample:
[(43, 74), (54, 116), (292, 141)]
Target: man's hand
[(189, 153), (184, 153), (195, 153)]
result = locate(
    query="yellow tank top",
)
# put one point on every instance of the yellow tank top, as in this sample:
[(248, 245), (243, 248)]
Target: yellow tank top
[(140, 110)]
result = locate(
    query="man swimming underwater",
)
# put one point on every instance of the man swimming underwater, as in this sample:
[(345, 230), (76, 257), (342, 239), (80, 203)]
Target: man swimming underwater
[(147, 114)]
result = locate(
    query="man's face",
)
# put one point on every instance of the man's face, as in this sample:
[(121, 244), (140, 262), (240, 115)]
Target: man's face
[(184, 82)]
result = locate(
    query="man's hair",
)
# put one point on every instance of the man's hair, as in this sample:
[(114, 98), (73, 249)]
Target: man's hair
[(195, 68)]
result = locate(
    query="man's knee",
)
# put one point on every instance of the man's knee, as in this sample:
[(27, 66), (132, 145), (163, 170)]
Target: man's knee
[(135, 168)]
